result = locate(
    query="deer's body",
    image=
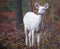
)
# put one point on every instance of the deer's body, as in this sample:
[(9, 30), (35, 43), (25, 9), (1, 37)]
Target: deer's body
[(32, 23)]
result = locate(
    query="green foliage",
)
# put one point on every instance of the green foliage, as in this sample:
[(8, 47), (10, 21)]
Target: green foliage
[(1, 9), (25, 5), (9, 6)]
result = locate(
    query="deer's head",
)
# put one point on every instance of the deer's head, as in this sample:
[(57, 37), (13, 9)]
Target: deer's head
[(41, 9)]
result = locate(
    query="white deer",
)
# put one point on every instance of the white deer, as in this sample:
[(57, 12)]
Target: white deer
[(32, 22)]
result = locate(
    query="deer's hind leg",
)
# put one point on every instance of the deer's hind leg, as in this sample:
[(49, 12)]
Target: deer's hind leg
[(26, 36)]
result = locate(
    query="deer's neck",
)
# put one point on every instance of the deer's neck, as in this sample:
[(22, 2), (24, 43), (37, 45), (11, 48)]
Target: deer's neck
[(40, 15)]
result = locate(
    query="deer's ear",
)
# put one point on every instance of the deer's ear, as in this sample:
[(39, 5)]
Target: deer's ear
[(46, 6), (37, 5)]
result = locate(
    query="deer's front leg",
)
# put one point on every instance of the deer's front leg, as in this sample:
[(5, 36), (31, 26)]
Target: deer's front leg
[(38, 39)]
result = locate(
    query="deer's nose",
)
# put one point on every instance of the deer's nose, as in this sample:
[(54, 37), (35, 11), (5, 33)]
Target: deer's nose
[(39, 13)]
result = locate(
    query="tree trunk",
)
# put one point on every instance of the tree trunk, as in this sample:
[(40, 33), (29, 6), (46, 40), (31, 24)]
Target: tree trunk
[(19, 15)]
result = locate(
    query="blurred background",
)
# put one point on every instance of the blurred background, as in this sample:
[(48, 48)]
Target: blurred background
[(11, 24)]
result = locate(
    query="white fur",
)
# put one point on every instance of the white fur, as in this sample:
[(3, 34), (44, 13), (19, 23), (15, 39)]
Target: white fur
[(31, 23)]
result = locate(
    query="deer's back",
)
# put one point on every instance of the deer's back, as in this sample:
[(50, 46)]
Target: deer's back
[(31, 20)]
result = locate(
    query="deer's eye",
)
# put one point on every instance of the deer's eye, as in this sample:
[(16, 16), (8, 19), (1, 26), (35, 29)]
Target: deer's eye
[(43, 9)]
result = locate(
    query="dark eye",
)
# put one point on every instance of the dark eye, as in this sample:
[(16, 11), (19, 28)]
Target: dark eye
[(43, 9)]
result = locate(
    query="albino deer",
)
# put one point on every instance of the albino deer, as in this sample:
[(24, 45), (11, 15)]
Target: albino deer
[(32, 22)]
